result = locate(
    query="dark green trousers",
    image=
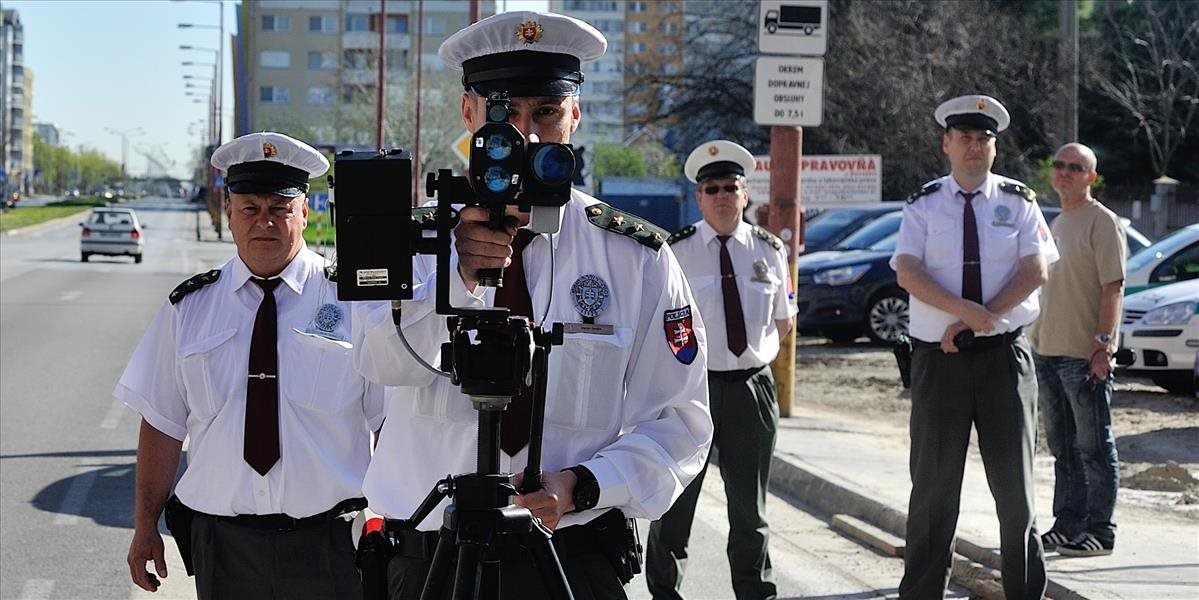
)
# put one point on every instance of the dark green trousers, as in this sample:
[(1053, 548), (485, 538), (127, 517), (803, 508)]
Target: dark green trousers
[(995, 391), (746, 417), (233, 562)]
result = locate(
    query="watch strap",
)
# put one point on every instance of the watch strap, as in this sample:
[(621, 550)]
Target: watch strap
[(586, 492)]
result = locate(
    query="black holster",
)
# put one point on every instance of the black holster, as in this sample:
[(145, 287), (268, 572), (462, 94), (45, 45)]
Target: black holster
[(618, 541), (903, 356), (179, 521)]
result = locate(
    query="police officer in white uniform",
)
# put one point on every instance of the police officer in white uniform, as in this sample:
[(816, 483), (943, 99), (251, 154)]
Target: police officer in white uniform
[(627, 425), (973, 250), (251, 363), (738, 273)]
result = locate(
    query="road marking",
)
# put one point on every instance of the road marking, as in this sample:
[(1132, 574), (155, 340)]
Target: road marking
[(113, 418), (37, 589), (69, 296), (76, 496)]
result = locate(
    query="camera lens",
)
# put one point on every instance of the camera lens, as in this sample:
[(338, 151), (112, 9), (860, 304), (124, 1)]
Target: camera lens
[(496, 179), (497, 113), (498, 147), (553, 164)]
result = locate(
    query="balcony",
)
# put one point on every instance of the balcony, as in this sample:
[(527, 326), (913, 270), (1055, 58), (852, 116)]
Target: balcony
[(370, 39)]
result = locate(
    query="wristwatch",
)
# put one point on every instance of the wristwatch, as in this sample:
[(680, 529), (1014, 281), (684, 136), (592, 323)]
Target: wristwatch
[(587, 491), (1103, 338)]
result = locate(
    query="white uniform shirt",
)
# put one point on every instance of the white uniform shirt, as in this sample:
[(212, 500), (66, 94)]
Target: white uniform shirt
[(623, 405), (1009, 228), (188, 377), (764, 291)]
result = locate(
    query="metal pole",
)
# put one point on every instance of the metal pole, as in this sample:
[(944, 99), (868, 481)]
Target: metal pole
[(786, 150), (1068, 55), (474, 11), (420, 45), (379, 110)]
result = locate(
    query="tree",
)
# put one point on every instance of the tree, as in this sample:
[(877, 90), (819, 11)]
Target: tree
[(613, 160), (1148, 65)]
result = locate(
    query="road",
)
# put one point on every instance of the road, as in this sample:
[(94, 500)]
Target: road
[(67, 447)]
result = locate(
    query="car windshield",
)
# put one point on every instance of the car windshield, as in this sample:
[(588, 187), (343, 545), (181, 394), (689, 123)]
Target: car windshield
[(871, 233), (886, 244), (112, 218), (828, 223), (1162, 248)]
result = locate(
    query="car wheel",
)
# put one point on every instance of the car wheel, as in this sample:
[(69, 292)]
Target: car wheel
[(137, 258), (1178, 384), (887, 318), (83, 256)]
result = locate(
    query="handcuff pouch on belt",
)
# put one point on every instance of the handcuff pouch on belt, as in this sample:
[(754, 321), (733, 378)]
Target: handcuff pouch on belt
[(179, 521)]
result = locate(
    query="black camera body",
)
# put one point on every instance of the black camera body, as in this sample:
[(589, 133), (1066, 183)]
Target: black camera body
[(504, 170), (373, 216)]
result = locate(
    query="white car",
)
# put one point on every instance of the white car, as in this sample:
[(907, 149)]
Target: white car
[(1159, 336), (111, 232), (1172, 258)]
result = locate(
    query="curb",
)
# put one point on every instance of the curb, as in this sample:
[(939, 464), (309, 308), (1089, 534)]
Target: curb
[(833, 495), (44, 225)]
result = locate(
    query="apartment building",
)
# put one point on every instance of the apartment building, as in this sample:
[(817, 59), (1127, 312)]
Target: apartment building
[(48, 132), (313, 63), (16, 112), (603, 88)]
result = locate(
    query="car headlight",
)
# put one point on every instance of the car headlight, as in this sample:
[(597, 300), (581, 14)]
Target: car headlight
[(841, 275), (1178, 313)]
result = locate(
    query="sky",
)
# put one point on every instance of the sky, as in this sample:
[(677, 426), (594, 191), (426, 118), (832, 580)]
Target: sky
[(105, 66)]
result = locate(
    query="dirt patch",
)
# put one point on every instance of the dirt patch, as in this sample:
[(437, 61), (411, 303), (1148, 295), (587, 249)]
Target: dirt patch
[(1157, 434)]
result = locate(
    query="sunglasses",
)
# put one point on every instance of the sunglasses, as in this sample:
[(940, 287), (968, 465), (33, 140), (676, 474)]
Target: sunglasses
[(712, 190), (1073, 167)]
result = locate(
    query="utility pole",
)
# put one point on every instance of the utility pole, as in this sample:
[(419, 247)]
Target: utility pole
[(418, 178), (1068, 60), (382, 95), (786, 151)]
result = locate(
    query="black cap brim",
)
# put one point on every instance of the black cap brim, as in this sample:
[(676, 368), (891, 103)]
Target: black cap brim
[(523, 73), (976, 121), (267, 177), (723, 168), (278, 189)]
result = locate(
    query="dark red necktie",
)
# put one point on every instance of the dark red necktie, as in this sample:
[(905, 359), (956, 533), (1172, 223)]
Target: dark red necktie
[(261, 443), (972, 279), (514, 424), (734, 318)]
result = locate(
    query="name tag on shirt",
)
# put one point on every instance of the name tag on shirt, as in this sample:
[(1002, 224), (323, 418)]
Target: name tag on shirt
[(593, 328)]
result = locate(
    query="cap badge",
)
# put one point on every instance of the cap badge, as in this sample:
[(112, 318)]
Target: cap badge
[(590, 294), (269, 150), (713, 150), (529, 32), (981, 105)]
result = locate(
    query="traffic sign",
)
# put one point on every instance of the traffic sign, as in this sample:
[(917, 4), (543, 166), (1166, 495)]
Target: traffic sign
[(461, 146), (793, 27), (789, 91)]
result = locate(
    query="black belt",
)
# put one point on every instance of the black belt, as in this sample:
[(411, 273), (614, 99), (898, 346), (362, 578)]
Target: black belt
[(735, 376), (282, 522), (575, 540), (979, 343)]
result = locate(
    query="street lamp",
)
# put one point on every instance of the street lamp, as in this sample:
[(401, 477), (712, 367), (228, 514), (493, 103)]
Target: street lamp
[(125, 145)]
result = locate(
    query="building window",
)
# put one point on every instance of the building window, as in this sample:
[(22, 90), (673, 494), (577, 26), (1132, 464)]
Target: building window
[(637, 7), (274, 59), (670, 69), (637, 27), (667, 27), (276, 23), (320, 96), (637, 68), (273, 94), (434, 26), (322, 24), (668, 8), (636, 47), (322, 60), (395, 23), (358, 23), (666, 48), (358, 58)]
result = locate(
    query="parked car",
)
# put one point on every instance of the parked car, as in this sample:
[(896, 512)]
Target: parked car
[(1159, 336), (111, 232), (851, 289), (1170, 259), (1135, 240), (833, 225)]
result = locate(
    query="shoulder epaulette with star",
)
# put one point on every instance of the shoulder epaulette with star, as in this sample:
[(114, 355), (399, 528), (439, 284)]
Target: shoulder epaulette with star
[(627, 224), (196, 282), (770, 238), (1017, 189), (681, 234), (331, 273), (924, 191)]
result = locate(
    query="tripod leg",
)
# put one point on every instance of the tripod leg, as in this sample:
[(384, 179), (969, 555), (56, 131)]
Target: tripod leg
[(466, 579), (545, 557), (439, 568)]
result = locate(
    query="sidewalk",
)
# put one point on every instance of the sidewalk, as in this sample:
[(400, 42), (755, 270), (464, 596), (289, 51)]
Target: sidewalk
[(857, 468)]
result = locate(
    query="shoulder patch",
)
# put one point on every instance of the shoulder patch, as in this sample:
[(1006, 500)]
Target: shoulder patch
[(1017, 189), (627, 224), (770, 238), (681, 234), (193, 284), (331, 273), (924, 191)]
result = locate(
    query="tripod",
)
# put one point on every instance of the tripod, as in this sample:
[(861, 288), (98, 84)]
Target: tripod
[(481, 521)]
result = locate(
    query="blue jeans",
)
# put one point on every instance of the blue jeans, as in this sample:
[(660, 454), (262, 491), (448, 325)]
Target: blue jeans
[(1078, 425)]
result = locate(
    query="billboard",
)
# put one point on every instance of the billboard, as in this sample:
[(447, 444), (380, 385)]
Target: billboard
[(826, 179)]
